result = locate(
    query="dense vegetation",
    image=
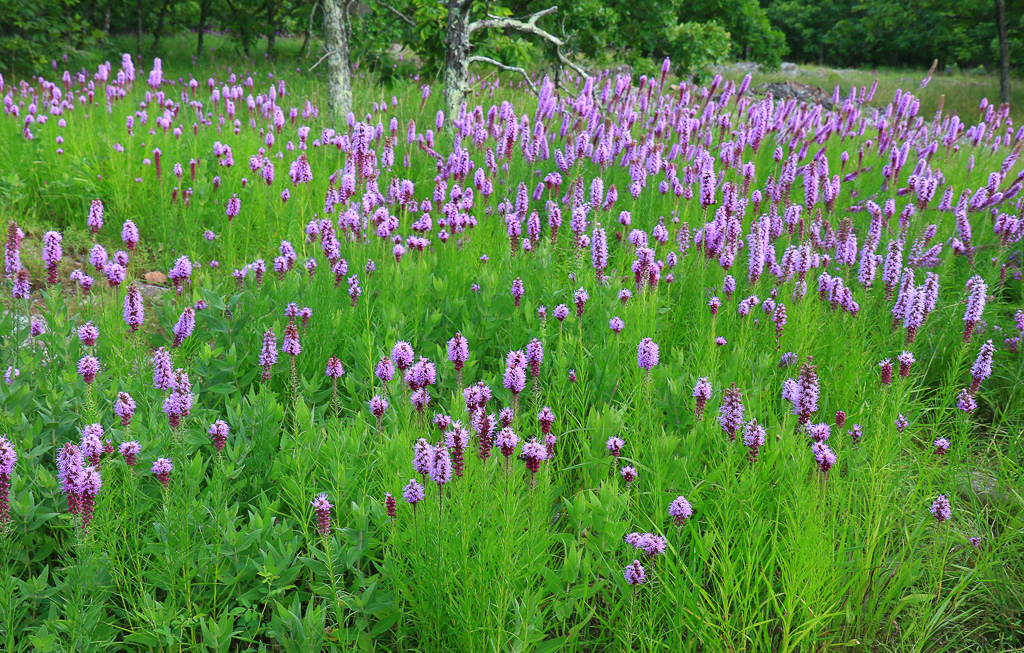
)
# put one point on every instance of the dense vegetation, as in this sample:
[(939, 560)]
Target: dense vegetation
[(694, 33), (674, 367)]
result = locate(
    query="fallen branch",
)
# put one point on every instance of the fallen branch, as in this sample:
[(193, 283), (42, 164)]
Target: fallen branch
[(498, 64)]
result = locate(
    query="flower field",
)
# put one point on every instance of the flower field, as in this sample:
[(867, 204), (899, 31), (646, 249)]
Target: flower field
[(624, 365)]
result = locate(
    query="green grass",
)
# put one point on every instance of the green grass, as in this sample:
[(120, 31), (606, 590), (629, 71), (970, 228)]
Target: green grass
[(777, 556)]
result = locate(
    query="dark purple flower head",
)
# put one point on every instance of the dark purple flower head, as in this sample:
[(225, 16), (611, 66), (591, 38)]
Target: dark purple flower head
[(124, 407), (390, 505), (652, 545), (402, 354), (88, 334), (163, 377), (385, 370), (290, 344), (616, 324), (219, 434), (561, 312), (982, 367), (940, 509), (162, 469), (88, 368), (647, 354), (824, 456), (134, 310), (413, 492), (533, 454), (130, 235), (629, 474), (885, 371), (906, 359), (965, 401), (546, 417), (180, 273), (753, 439), (268, 355), (458, 351), (334, 368), (52, 254), (322, 509), (730, 415), (634, 574), (130, 451), (680, 510), (902, 423), (378, 406), (185, 326), (941, 446)]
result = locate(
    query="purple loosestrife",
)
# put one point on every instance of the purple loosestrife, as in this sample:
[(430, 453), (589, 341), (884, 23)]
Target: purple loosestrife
[(456, 438), (89, 484), (162, 469), (458, 353), (680, 510), (88, 368), (517, 291), (614, 446), (88, 334), (390, 506), (268, 355), (507, 441), (219, 434), (413, 493), (485, 424), (634, 574), (534, 357), (402, 354), (982, 368), (975, 305), (965, 401), (534, 453), (730, 415), (130, 451), (906, 359), (124, 407), (902, 423), (95, 219), (701, 394), (385, 370), (180, 273), (823, 456), (130, 235), (322, 510), (378, 406), (753, 439), (647, 355), (807, 401), (885, 371), (163, 374), (185, 326), (856, 432), (940, 509), (840, 419), (941, 446), (8, 459), (134, 312), (652, 545), (628, 474), (52, 254), (580, 298)]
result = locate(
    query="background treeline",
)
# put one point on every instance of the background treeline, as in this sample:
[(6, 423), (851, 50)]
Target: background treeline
[(693, 33)]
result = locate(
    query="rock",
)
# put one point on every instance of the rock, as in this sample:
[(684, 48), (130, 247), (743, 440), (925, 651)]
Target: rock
[(790, 68), (155, 277), (795, 90), (149, 290), (984, 486)]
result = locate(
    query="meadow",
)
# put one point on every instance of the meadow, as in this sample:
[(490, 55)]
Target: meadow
[(621, 366)]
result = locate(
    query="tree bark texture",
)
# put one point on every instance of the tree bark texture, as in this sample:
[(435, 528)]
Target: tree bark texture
[(456, 58), (339, 71)]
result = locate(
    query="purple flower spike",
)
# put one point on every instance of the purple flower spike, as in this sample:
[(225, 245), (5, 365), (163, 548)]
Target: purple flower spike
[(322, 508), (680, 510), (162, 469), (940, 508), (647, 354), (635, 574)]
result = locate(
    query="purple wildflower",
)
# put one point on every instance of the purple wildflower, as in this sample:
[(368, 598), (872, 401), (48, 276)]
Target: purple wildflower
[(124, 407), (322, 508), (162, 469), (219, 434), (634, 574), (940, 508), (680, 510), (730, 415)]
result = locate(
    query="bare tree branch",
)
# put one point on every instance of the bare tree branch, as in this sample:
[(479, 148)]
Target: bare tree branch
[(321, 59), (405, 19), (514, 69), (530, 27)]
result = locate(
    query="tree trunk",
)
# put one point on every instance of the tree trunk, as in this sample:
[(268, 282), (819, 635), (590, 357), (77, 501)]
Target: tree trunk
[(307, 36), (339, 72), (271, 30), (106, 21), (456, 58), (203, 5), (1004, 53), (158, 32), (138, 28)]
